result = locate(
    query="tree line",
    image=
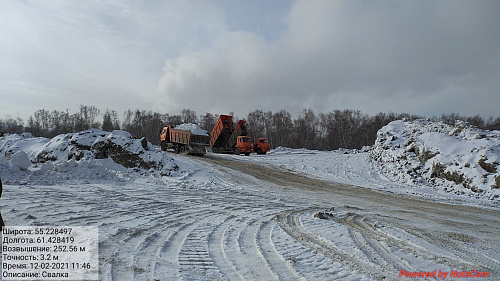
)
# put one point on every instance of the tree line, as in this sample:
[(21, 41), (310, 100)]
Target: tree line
[(324, 131)]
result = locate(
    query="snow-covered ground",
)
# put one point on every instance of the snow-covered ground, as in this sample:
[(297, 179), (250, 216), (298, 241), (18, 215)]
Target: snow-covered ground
[(396, 162), (164, 216), (358, 168)]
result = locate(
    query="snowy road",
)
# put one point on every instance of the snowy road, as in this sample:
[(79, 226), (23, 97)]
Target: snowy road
[(228, 220)]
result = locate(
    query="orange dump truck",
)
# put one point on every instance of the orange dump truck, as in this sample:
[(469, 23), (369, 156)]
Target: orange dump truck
[(262, 146), (226, 138), (183, 141)]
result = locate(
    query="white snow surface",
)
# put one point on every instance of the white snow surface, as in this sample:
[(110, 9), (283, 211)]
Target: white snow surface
[(75, 156), (458, 159), (392, 165), (184, 219), (193, 128)]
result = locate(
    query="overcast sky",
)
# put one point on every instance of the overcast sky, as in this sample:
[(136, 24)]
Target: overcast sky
[(419, 57)]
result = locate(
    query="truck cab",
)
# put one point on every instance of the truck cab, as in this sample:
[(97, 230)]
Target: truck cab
[(244, 145), (262, 146)]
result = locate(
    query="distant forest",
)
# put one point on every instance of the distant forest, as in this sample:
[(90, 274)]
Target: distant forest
[(324, 131)]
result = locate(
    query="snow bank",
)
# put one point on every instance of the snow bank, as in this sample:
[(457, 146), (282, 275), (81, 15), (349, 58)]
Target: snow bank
[(21, 160), (193, 128), (86, 155), (460, 159)]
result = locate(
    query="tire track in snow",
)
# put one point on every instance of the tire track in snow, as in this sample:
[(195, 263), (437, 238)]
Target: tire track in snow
[(150, 263), (217, 249), (370, 243), (475, 259), (250, 247), (181, 250), (240, 246), (147, 238), (188, 251), (462, 245), (358, 224), (289, 221), (456, 254), (167, 265), (194, 258), (378, 262), (269, 252), (300, 256), (211, 231)]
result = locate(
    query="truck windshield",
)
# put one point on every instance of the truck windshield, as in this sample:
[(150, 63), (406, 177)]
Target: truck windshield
[(247, 140)]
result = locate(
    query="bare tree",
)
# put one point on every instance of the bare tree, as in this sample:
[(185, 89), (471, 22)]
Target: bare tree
[(256, 124), (12, 126), (127, 119), (281, 131), (326, 131), (207, 121), (189, 116), (493, 124), (88, 115), (305, 130), (110, 121)]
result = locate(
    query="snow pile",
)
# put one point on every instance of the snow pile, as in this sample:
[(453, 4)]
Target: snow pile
[(460, 159), (21, 160), (90, 154), (193, 128)]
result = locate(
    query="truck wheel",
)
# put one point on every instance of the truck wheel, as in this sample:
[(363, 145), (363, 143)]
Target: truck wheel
[(247, 154), (163, 146), (182, 149), (237, 151), (177, 148), (259, 150)]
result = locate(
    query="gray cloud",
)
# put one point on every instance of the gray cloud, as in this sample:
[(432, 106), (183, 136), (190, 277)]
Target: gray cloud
[(421, 57), (379, 56), (60, 54)]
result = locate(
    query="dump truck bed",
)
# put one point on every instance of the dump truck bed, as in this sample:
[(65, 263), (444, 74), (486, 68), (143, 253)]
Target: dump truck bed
[(222, 131), (183, 141), (179, 136)]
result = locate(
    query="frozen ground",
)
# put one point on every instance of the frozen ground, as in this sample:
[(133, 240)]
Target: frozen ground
[(288, 215), (426, 159), (357, 168)]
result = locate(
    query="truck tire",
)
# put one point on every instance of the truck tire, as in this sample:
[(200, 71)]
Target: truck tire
[(163, 146), (247, 154), (259, 150), (182, 149), (237, 151)]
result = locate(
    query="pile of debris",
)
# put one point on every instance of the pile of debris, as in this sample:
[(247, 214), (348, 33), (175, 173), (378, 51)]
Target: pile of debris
[(460, 159), (90, 147)]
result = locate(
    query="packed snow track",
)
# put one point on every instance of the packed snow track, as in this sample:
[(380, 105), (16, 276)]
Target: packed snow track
[(235, 220)]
